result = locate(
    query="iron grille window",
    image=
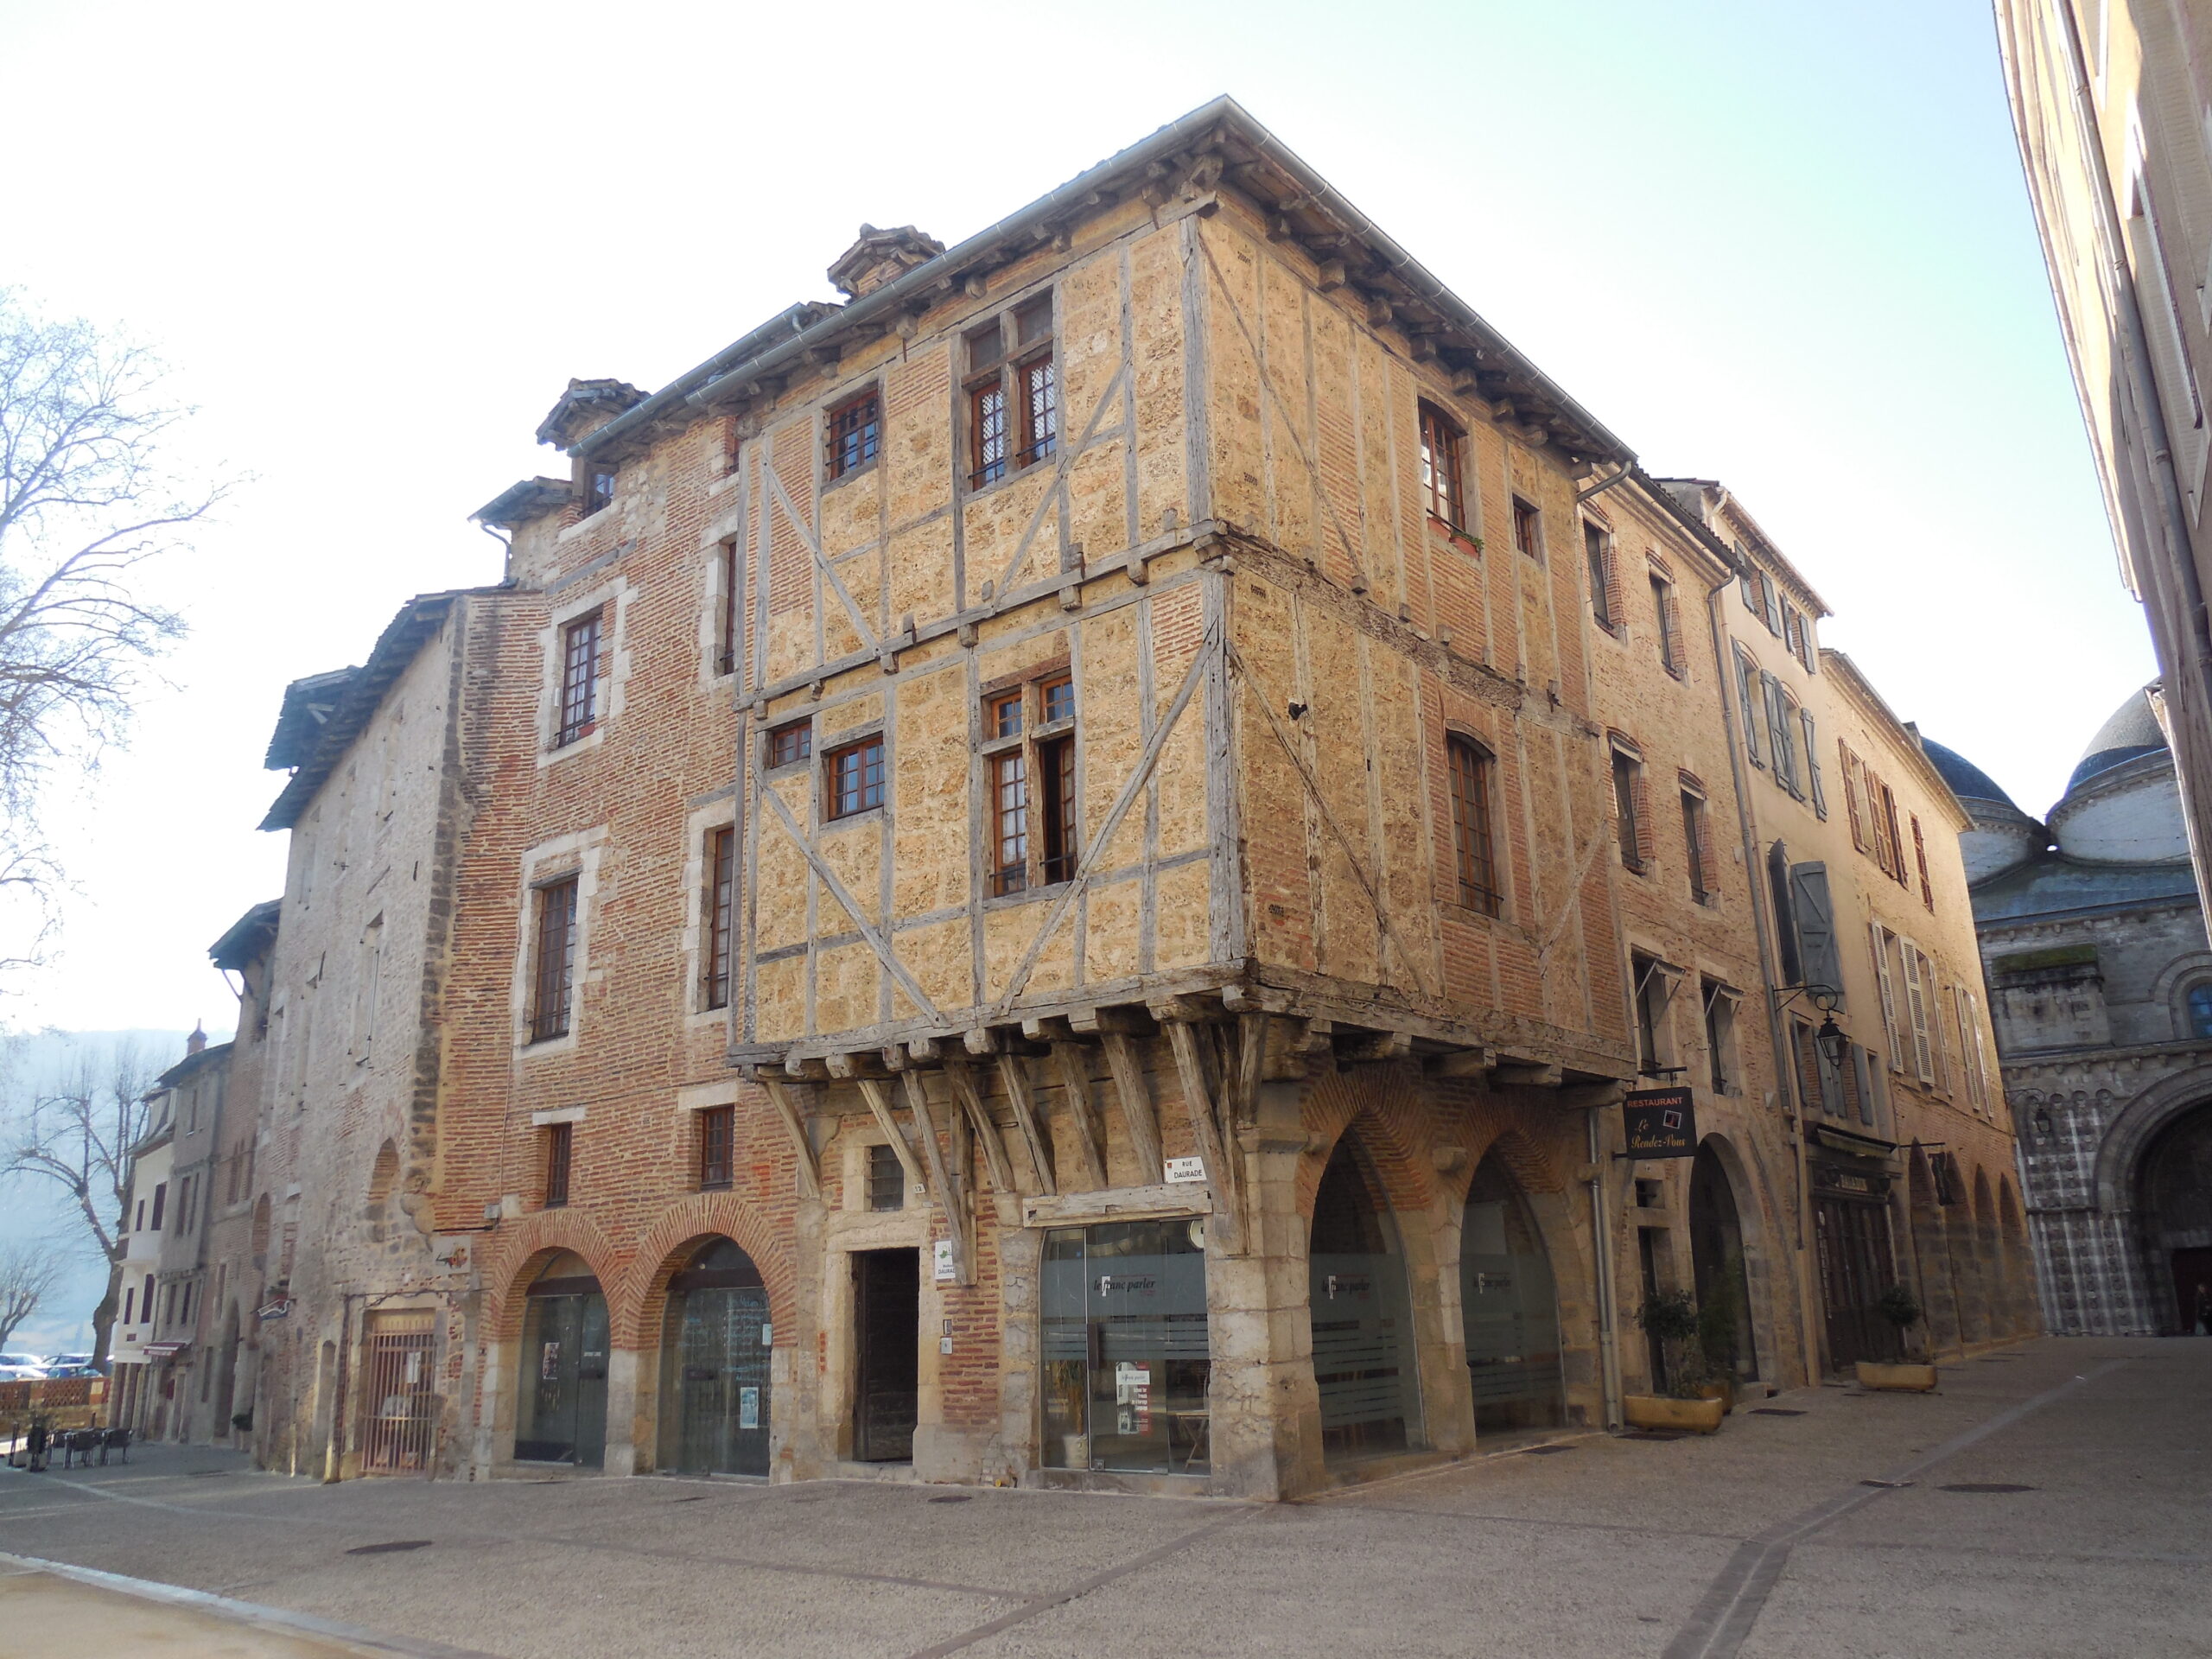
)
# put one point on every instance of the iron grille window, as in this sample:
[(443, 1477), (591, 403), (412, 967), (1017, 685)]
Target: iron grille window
[(726, 622), (887, 1178), (855, 429), (1013, 393), (788, 745), (579, 679), (717, 1135), (560, 1143), (721, 904), (1470, 826), (1441, 442), (1528, 529), (554, 977), (856, 777)]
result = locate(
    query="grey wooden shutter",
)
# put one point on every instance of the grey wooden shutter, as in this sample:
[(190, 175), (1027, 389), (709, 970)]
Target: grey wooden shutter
[(1817, 954)]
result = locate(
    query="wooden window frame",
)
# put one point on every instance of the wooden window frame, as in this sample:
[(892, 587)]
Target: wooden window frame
[(721, 906), (1816, 791), (1012, 399), (1631, 808), (1598, 553), (790, 744), (1697, 846), (560, 1164), (1528, 528), (1669, 622), (868, 794), (1920, 858), (599, 481), (852, 434), (717, 1148), (576, 712), (1471, 769), (1029, 757), (1443, 467), (1747, 704), (1721, 1005), (556, 908)]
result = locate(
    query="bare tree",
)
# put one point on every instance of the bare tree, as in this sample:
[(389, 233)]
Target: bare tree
[(79, 1131), (86, 497), (30, 1269)]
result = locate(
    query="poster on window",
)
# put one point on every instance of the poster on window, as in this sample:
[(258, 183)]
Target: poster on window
[(1133, 1398), (548, 1364), (748, 1408)]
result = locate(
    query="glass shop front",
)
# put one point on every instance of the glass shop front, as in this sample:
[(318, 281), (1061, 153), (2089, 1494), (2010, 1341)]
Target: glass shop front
[(1126, 1353)]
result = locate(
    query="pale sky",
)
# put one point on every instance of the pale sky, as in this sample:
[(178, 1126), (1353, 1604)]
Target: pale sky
[(1785, 246)]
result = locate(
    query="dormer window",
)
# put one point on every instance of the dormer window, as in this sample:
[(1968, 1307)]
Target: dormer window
[(599, 488)]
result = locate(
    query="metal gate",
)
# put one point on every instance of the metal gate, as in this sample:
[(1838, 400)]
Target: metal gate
[(1855, 1269), (402, 1405)]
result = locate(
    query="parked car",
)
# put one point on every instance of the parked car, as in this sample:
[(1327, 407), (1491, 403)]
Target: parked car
[(21, 1374)]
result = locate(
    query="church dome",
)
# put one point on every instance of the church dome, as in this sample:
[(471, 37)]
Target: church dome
[(1968, 781), (2131, 732)]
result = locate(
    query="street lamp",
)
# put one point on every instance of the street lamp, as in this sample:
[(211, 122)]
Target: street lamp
[(1835, 1046)]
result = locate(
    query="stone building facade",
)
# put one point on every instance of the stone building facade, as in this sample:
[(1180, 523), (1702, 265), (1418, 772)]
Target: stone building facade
[(2100, 980), (2108, 99), (1029, 879)]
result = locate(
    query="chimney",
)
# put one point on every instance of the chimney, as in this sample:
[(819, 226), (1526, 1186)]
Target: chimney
[(880, 257), (197, 1042)]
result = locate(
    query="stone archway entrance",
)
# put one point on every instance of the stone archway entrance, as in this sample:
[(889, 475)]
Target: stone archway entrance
[(1363, 1318), (715, 1341), (2174, 1219), (1511, 1305), (1717, 1255), (560, 1393)]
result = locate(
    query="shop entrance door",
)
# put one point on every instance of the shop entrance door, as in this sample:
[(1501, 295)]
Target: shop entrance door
[(1363, 1328), (1511, 1308), (2193, 1290), (1855, 1269), (716, 1342), (560, 1404), (886, 1304), (1717, 1257), (1127, 1359)]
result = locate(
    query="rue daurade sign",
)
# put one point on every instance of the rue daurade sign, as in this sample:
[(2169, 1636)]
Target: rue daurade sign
[(1659, 1122)]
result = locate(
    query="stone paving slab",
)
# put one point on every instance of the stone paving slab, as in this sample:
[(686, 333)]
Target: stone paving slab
[(1760, 1541)]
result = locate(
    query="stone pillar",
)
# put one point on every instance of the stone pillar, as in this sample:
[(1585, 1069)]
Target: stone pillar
[(629, 1417)]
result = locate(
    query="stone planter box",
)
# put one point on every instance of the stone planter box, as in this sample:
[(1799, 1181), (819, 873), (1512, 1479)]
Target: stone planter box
[(1909, 1379), (1724, 1392), (1658, 1411)]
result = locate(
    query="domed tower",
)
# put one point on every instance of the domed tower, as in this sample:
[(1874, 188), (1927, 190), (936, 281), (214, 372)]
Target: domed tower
[(2123, 804), (2002, 835)]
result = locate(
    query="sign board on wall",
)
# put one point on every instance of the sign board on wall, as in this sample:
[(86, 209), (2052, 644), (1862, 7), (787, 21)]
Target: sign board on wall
[(1659, 1122), (1186, 1169), (942, 1257)]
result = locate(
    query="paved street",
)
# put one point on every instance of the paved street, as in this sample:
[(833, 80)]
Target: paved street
[(1780, 1536)]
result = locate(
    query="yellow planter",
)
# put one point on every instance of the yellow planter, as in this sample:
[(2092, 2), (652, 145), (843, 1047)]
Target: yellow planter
[(1909, 1379), (1658, 1411)]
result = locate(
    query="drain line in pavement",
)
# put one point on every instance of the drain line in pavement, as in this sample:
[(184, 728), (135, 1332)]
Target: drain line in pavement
[(1725, 1614), (1043, 1603)]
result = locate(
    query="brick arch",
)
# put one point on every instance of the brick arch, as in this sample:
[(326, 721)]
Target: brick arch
[(1532, 1168), (689, 1222), (516, 1249), (1394, 1125)]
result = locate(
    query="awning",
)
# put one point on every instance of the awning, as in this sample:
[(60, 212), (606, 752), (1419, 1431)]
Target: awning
[(165, 1349), (1859, 1145)]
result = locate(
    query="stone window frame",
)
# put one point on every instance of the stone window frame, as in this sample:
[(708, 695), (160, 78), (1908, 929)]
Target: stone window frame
[(698, 825), (611, 598), (576, 853)]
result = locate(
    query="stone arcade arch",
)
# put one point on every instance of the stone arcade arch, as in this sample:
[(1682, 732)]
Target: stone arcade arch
[(1365, 1365), (717, 1336), (2174, 1222), (1717, 1257), (561, 1364), (1978, 1249), (1509, 1300)]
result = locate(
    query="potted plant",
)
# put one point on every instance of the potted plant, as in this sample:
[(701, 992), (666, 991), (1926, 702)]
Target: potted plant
[(1898, 1305), (1671, 1319)]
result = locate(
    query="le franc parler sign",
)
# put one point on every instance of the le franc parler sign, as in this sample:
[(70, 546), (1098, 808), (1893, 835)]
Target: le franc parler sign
[(1659, 1122)]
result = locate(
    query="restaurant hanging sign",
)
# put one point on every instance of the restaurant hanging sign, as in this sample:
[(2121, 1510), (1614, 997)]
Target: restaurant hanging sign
[(1659, 1122)]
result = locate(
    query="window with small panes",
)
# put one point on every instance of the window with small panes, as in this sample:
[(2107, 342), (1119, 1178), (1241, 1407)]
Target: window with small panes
[(1011, 383)]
